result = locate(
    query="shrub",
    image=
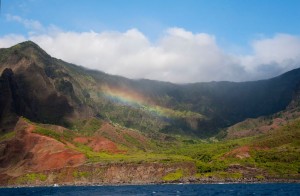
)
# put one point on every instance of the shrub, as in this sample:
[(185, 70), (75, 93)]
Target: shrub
[(260, 177), (173, 176), (31, 177), (80, 174)]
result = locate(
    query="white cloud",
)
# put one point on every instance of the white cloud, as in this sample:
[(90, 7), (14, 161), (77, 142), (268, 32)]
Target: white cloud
[(178, 56), (29, 24), (10, 40), (273, 55)]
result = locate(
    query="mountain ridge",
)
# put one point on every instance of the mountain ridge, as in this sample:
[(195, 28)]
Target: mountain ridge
[(221, 104), (64, 124)]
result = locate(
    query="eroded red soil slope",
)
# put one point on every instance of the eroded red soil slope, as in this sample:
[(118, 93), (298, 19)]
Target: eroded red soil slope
[(31, 152)]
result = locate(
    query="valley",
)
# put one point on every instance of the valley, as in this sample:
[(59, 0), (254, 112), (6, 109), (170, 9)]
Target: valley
[(63, 124)]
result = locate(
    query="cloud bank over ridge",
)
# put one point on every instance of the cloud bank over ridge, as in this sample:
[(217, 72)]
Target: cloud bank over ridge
[(178, 56)]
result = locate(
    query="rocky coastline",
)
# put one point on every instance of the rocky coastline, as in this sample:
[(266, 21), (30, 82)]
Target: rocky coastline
[(180, 182), (118, 174)]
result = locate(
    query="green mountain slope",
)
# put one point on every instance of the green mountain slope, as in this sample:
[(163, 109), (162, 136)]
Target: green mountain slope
[(265, 124), (48, 90), (62, 123)]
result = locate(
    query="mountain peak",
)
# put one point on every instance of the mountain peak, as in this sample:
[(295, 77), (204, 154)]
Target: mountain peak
[(30, 48), (27, 44)]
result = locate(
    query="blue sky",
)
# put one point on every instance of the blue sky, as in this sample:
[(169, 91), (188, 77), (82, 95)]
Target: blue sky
[(233, 21), (236, 27)]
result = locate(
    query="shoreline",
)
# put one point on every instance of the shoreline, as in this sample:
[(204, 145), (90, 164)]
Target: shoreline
[(271, 181)]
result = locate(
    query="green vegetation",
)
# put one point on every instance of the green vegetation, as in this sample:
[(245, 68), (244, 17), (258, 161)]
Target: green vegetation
[(171, 116), (283, 156), (221, 175), (173, 176), (132, 140), (87, 127), (199, 109), (260, 177), (135, 157), (276, 153), (80, 174), (30, 178), (47, 132), (7, 135), (62, 137), (203, 167)]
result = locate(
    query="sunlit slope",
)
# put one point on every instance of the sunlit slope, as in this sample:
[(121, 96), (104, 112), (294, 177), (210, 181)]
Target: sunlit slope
[(60, 155)]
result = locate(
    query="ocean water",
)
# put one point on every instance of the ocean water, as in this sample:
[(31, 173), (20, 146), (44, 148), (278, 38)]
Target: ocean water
[(169, 189)]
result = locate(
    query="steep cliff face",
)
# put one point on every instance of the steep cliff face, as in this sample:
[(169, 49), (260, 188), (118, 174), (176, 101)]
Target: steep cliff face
[(30, 94), (9, 100)]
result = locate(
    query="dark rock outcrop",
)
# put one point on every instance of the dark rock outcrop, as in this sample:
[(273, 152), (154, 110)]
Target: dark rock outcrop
[(9, 100), (32, 95)]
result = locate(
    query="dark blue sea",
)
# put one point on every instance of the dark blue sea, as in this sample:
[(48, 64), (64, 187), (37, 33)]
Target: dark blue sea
[(170, 189)]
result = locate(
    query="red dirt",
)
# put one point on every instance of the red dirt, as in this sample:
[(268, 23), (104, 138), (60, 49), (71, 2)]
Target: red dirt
[(82, 140), (116, 135), (30, 128), (29, 151), (51, 154), (99, 144), (111, 132), (241, 152), (260, 129)]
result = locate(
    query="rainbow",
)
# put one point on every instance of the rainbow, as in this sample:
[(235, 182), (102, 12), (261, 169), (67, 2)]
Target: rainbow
[(123, 96), (133, 99)]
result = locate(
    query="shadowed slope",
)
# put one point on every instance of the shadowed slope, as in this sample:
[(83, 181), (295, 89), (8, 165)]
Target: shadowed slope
[(53, 91)]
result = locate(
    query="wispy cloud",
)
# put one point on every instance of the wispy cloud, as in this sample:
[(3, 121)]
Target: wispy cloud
[(32, 25), (11, 39), (178, 56)]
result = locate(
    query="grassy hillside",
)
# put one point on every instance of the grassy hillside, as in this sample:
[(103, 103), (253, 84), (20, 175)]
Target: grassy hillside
[(265, 124), (267, 156)]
